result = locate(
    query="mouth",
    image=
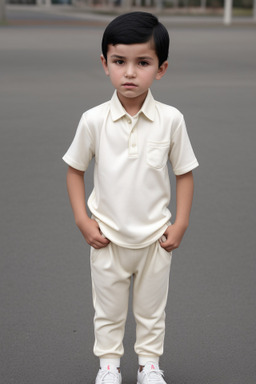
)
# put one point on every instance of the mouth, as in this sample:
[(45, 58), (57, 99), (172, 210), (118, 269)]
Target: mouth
[(129, 85)]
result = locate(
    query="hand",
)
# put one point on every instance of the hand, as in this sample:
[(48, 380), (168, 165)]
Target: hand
[(92, 234), (173, 234)]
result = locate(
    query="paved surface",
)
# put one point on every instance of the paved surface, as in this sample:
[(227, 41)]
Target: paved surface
[(48, 77)]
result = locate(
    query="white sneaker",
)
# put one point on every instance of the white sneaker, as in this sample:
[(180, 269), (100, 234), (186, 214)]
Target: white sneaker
[(151, 374), (108, 375)]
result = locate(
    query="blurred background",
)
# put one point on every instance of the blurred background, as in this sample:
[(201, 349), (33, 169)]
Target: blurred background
[(50, 73), (227, 9)]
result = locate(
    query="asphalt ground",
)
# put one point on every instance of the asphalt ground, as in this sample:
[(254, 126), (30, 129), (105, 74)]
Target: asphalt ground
[(48, 76)]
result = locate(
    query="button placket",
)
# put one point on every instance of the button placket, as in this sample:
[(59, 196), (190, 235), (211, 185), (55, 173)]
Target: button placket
[(133, 147)]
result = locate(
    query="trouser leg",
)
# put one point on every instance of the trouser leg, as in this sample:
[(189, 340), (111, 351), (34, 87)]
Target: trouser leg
[(110, 285), (150, 291)]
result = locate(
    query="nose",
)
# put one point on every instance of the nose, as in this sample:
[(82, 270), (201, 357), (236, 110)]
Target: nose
[(130, 71)]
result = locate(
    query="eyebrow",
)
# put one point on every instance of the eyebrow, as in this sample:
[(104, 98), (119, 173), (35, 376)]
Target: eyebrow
[(139, 58), (145, 58), (117, 57)]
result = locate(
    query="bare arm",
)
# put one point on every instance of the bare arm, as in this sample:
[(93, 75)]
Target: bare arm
[(184, 196), (88, 227)]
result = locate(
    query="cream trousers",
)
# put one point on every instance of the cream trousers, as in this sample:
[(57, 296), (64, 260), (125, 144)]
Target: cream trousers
[(112, 269)]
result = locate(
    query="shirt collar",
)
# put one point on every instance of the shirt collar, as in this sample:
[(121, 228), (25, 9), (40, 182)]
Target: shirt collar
[(118, 111)]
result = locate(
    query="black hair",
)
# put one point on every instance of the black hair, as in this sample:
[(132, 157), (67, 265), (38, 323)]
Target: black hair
[(136, 28)]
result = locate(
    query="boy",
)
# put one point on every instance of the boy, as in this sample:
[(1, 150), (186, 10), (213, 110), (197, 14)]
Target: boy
[(131, 137)]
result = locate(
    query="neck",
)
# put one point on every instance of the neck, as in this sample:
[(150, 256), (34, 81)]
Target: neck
[(132, 105)]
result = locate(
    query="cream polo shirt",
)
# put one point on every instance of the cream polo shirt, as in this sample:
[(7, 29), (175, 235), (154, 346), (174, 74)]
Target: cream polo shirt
[(131, 183)]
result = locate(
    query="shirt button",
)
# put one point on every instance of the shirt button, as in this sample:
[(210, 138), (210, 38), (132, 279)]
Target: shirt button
[(129, 121)]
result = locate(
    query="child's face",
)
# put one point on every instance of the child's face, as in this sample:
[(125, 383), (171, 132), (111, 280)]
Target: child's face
[(132, 68)]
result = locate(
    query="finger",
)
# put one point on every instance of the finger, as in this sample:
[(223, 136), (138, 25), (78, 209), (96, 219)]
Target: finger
[(167, 247), (98, 246), (103, 240), (163, 239), (100, 242)]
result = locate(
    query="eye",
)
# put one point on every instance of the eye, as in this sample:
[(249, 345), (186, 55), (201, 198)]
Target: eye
[(143, 63), (119, 62)]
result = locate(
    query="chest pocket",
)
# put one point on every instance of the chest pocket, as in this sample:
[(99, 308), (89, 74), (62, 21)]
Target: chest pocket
[(157, 153)]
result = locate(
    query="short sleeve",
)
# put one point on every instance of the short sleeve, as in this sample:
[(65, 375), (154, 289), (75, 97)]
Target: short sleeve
[(81, 150), (181, 154)]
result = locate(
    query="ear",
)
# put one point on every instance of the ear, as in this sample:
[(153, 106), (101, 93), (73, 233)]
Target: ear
[(161, 70), (104, 64)]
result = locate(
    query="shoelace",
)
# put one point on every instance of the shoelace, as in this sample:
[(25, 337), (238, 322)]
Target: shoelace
[(109, 378), (153, 375)]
